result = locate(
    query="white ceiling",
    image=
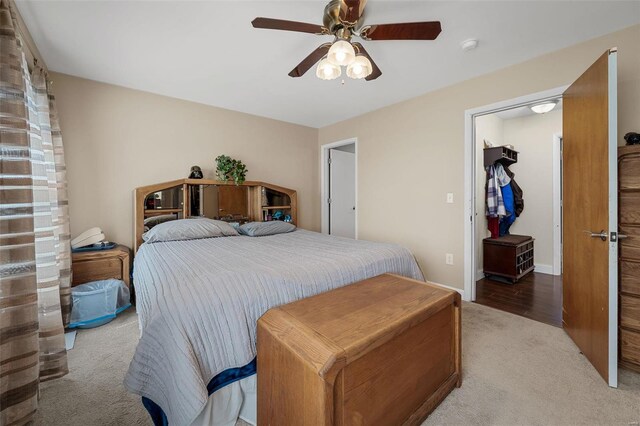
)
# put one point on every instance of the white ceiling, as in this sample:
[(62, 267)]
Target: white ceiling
[(207, 51)]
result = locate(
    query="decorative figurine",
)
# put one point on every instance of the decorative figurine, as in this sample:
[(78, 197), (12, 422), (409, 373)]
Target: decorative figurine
[(196, 172), (194, 190)]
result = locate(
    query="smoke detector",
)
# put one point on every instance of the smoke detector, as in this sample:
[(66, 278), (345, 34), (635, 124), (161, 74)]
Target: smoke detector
[(469, 44)]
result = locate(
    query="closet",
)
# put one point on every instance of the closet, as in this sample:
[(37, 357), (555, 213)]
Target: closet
[(508, 256), (629, 252)]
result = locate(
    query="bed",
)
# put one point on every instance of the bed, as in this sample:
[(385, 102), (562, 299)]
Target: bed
[(198, 302)]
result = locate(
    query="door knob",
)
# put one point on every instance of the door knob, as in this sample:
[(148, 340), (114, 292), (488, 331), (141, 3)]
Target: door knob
[(622, 236), (602, 234)]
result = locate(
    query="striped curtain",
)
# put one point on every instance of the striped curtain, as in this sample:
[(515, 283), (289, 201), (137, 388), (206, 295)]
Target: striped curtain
[(35, 259)]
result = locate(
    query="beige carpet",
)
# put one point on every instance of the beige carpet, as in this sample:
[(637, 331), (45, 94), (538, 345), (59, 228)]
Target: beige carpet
[(516, 372)]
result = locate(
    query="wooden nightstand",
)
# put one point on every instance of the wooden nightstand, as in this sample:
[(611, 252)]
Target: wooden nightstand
[(101, 265)]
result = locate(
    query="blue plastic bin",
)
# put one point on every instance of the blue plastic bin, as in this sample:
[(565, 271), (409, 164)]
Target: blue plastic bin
[(98, 302)]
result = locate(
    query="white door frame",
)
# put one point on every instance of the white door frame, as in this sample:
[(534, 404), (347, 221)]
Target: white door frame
[(324, 181), (557, 204), (470, 176), (613, 217)]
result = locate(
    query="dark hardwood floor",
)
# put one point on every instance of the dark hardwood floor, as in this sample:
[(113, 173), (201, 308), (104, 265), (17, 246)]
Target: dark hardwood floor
[(536, 296)]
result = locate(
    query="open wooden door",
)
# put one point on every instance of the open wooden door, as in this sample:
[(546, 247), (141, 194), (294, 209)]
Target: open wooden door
[(590, 215)]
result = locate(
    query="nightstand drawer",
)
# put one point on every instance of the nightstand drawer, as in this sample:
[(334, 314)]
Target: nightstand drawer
[(94, 270), (101, 265)]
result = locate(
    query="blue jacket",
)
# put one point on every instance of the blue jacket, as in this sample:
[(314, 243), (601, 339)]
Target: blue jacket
[(509, 206)]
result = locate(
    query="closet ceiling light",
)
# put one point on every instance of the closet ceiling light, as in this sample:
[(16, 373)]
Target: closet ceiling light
[(544, 107)]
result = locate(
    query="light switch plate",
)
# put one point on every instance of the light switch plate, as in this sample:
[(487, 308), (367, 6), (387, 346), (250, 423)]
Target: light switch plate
[(450, 197)]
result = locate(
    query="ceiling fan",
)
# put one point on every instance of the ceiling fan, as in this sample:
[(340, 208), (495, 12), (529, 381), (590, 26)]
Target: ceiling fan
[(342, 19)]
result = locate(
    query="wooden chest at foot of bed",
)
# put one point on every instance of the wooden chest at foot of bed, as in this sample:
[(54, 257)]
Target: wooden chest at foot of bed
[(384, 351)]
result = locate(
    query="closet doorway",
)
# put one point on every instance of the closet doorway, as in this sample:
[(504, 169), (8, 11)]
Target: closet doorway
[(589, 170), (339, 177), (518, 209)]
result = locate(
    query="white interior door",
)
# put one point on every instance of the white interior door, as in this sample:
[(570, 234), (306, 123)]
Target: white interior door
[(342, 193)]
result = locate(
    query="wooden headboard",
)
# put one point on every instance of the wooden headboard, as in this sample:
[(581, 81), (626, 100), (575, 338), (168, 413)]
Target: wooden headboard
[(257, 202)]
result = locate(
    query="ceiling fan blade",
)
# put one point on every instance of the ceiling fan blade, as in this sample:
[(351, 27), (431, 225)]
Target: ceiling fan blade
[(281, 24), (351, 10), (375, 71), (405, 31), (310, 60)]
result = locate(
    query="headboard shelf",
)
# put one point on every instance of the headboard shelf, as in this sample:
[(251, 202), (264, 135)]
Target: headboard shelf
[(183, 198), (148, 212)]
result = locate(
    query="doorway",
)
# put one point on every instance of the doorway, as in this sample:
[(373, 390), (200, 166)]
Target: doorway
[(589, 174), (339, 188), (518, 265)]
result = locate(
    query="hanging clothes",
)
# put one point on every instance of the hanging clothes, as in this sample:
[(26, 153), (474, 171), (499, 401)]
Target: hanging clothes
[(495, 203), (504, 181), (517, 192), (493, 223), (509, 205), (501, 175)]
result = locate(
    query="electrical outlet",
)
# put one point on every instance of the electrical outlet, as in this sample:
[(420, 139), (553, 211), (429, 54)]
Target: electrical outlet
[(449, 259), (450, 197)]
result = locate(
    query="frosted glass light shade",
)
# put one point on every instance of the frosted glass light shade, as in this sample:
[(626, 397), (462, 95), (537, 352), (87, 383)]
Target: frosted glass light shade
[(545, 107), (327, 71), (341, 53), (360, 67)]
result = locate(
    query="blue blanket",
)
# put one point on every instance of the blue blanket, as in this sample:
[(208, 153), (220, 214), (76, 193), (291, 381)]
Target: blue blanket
[(218, 382)]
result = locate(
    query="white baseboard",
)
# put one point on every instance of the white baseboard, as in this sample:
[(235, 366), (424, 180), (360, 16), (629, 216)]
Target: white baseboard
[(544, 269), (479, 274), (459, 290)]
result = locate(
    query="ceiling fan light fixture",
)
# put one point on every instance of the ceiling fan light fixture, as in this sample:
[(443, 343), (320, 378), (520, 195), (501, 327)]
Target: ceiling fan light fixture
[(360, 67), (544, 107), (327, 71), (341, 53)]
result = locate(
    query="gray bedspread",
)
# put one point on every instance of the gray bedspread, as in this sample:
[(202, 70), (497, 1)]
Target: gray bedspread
[(198, 302)]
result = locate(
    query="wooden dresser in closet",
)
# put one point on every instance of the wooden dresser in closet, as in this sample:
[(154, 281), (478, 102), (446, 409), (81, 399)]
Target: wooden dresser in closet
[(629, 251)]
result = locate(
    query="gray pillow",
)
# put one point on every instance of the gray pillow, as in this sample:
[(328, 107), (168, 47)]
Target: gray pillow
[(261, 229), (188, 229)]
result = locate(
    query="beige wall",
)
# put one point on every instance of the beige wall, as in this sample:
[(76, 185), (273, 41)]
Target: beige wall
[(412, 153), (117, 139), (532, 137)]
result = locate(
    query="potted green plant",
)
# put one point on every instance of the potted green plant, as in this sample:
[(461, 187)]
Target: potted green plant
[(229, 169)]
